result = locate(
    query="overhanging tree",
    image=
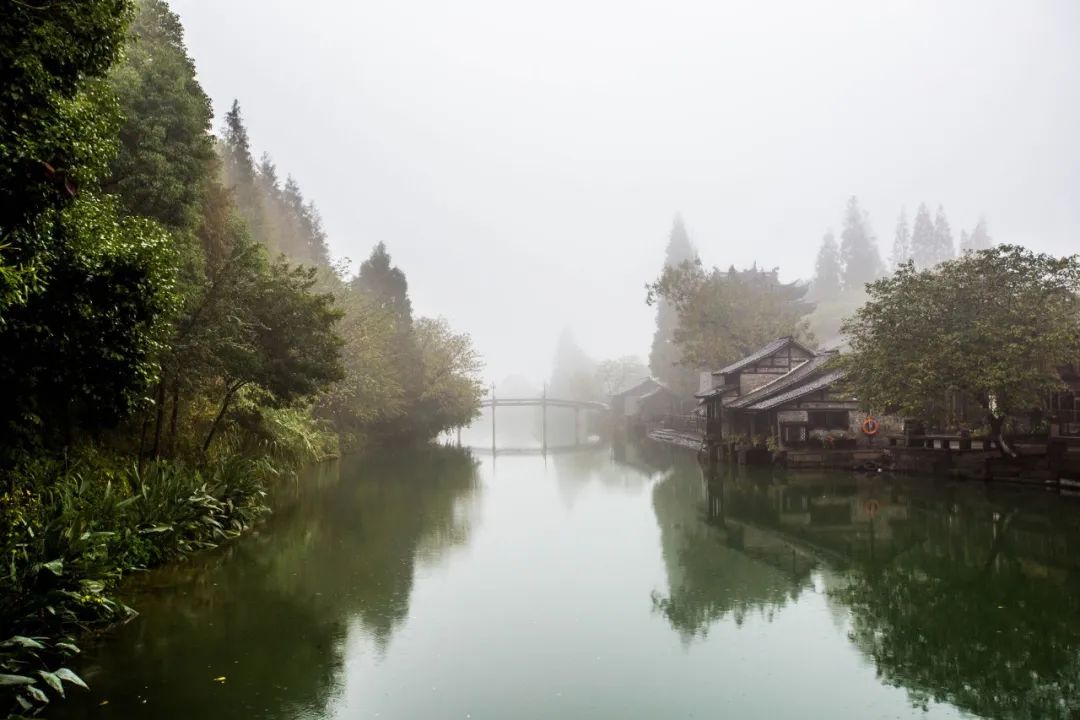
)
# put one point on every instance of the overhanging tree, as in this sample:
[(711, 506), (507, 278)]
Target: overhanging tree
[(994, 325)]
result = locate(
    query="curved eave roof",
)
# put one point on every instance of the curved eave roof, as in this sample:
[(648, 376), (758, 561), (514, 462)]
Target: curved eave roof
[(799, 392)]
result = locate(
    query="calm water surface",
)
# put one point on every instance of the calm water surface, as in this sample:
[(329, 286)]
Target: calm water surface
[(611, 583)]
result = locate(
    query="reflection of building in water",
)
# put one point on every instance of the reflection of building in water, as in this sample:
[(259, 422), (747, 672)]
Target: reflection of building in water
[(715, 568), (836, 515), (959, 592)]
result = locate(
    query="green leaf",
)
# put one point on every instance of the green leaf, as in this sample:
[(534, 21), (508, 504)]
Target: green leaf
[(71, 677), (35, 692), (15, 680), (56, 567), (52, 680), (23, 642)]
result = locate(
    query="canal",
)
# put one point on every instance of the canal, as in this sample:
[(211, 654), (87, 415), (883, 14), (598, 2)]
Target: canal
[(610, 583)]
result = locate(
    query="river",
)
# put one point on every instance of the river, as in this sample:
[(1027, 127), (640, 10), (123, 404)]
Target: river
[(609, 583)]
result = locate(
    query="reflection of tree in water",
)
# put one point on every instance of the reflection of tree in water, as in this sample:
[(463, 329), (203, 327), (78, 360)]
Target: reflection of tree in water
[(271, 612), (360, 544), (716, 568), (982, 609), (961, 593)]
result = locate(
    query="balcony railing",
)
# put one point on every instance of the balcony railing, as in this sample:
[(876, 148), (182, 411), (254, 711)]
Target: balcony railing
[(690, 424)]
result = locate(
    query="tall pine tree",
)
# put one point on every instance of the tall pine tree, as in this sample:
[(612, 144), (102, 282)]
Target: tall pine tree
[(943, 241), (901, 249), (858, 248), (828, 273), (923, 241), (980, 238), (665, 359)]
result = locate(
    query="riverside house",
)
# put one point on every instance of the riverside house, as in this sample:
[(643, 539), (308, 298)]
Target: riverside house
[(784, 391)]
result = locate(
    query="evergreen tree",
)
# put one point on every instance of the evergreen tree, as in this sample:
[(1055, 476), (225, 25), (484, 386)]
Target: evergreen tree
[(943, 241), (386, 286), (166, 154), (267, 172), (901, 249), (239, 163), (858, 248), (573, 374), (828, 271), (665, 359), (923, 242), (980, 238), (309, 241), (241, 178), (725, 315)]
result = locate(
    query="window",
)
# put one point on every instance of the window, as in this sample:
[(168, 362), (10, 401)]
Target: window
[(793, 433), (830, 420)]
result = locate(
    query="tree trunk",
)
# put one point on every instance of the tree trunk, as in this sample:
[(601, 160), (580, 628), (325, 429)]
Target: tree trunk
[(159, 416), (142, 439), (175, 413), (996, 425), (221, 414)]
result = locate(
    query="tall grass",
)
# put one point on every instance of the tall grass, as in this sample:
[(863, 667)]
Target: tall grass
[(70, 534)]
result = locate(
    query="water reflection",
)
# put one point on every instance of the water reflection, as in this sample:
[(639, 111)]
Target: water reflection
[(961, 593), (272, 613), (717, 565), (623, 583)]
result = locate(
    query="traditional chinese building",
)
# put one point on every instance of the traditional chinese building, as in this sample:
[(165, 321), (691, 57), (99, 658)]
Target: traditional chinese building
[(785, 391)]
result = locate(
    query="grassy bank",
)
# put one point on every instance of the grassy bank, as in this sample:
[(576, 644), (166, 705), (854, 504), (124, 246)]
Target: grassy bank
[(73, 531)]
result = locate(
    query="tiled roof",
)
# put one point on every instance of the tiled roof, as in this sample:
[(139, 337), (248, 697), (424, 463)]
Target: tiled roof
[(660, 387), (713, 392), (644, 387), (785, 381), (767, 350), (799, 391)]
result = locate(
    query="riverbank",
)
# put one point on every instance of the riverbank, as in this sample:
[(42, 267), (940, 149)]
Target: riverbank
[(1036, 463), (73, 533)]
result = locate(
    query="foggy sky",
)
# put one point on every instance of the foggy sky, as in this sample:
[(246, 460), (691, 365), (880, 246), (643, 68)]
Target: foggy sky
[(523, 161)]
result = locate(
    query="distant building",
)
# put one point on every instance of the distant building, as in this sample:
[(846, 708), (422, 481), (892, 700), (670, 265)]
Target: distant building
[(645, 403)]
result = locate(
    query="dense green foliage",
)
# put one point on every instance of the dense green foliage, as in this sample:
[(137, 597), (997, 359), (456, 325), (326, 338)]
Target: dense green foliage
[(56, 122), (723, 315), (993, 325), (72, 531), (169, 315)]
